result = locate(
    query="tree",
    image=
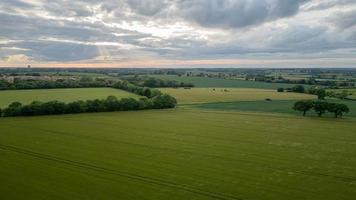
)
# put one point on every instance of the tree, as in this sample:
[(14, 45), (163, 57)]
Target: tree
[(280, 90), (112, 103), (14, 109), (76, 107), (0, 112), (320, 107), (338, 109), (321, 93), (298, 88), (129, 104), (164, 101), (303, 106), (95, 105)]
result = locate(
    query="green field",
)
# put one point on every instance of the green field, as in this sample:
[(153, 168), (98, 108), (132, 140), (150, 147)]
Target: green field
[(278, 106), (177, 154), (204, 95), (204, 82), (65, 95)]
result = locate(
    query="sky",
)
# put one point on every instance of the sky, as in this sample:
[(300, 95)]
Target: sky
[(178, 33)]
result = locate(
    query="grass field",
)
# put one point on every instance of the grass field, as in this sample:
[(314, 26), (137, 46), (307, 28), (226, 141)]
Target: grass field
[(204, 95), (66, 95), (177, 154), (278, 106), (204, 82)]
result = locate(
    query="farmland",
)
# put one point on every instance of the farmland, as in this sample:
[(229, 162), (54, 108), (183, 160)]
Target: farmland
[(177, 154), (205, 82), (65, 95), (205, 95), (275, 106), (225, 139)]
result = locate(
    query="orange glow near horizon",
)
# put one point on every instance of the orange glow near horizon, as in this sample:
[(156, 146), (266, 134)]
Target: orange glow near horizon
[(157, 63)]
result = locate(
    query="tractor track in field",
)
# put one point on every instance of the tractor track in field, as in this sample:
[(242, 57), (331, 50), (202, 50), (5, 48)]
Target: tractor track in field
[(345, 179), (132, 176)]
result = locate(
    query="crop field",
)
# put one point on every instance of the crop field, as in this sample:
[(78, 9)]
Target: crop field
[(204, 95), (275, 106), (65, 95), (177, 154), (204, 82)]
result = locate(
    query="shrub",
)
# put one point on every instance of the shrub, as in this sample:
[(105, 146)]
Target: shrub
[(298, 89), (280, 90)]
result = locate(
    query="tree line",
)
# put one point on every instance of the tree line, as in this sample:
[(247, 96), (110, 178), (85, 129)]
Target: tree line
[(85, 82), (110, 104), (321, 93), (142, 91), (156, 82), (321, 107)]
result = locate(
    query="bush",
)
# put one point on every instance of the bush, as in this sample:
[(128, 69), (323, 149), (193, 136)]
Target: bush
[(163, 101), (280, 90), (298, 89)]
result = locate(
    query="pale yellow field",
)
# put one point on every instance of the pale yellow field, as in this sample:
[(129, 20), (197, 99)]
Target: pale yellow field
[(206, 95)]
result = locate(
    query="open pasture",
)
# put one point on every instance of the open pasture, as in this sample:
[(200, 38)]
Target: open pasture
[(65, 95), (177, 154), (205, 82), (205, 95)]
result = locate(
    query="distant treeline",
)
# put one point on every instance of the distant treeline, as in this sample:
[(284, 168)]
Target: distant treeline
[(109, 104), (143, 91), (320, 92), (308, 81), (321, 107), (85, 82), (156, 82)]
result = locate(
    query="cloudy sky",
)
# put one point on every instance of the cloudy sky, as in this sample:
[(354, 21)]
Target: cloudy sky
[(150, 33)]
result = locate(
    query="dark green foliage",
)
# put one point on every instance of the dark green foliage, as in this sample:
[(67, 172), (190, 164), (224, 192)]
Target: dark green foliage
[(154, 82), (321, 107), (143, 91), (320, 92), (298, 89), (303, 106), (280, 90), (338, 109), (14, 109), (109, 104), (76, 107), (49, 84), (163, 101)]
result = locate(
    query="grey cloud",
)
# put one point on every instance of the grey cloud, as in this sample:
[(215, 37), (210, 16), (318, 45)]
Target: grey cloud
[(239, 13), (70, 33), (147, 7), (344, 20), (326, 4), (59, 51), (14, 3)]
